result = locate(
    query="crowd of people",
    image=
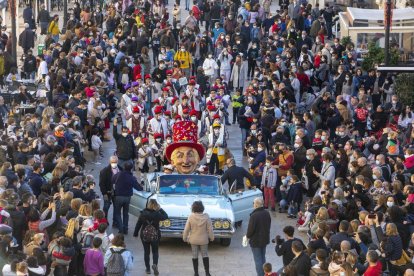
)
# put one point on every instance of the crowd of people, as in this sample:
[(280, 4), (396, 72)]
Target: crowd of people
[(328, 143)]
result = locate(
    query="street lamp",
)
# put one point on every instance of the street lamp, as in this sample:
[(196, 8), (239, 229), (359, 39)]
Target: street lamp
[(387, 23)]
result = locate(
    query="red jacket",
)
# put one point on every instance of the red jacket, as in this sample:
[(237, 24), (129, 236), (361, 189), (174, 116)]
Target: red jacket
[(374, 270), (409, 162)]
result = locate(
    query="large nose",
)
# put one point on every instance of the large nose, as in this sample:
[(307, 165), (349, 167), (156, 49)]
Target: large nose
[(187, 158)]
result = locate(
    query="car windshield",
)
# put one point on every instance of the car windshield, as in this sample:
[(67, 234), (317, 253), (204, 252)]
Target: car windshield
[(189, 184)]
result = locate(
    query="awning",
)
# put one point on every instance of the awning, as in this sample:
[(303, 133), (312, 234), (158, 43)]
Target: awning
[(363, 16)]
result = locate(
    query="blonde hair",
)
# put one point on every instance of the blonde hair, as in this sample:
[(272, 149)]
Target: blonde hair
[(391, 230), (153, 205), (75, 204), (85, 210), (73, 226), (322, 214)]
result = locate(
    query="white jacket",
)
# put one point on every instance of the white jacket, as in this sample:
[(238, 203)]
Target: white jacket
[(210, 66)]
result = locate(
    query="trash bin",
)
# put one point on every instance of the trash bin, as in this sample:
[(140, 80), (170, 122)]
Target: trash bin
[(40, 48)]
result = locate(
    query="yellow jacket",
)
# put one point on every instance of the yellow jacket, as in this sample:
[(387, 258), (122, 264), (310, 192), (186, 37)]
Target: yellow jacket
[(184, 58), (54, 28)]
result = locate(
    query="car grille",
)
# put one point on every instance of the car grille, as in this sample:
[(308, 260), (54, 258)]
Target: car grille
[(178, 223)]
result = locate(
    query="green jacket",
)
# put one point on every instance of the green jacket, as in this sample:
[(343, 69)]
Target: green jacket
[(235, 102), (1, 65)]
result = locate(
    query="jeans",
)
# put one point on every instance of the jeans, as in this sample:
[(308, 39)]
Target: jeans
[(259, 256), (154, 247), (187, 4), (293, 209), (244, 135), (122, 202), (106, 206)]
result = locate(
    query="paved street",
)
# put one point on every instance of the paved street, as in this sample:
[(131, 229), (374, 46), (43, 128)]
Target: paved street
[(175, 256)]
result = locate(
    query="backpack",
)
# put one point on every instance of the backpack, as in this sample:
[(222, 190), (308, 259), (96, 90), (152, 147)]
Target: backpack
[(116, 264), (149, 233), (86, 241)]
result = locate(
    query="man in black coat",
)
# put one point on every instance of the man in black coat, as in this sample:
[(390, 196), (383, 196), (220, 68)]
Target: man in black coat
[(27, 38), (106, 184), (125, 146), (235, 174), (124, 183), (43, 18), (258, 233), (284, 246), (30, 66), (299, 156), (301, 263)]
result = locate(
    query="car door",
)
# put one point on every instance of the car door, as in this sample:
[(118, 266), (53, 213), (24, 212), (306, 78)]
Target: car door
[(242, 203), (139, 198)]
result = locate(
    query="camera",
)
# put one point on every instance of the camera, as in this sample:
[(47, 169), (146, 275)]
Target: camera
[(278, 240)]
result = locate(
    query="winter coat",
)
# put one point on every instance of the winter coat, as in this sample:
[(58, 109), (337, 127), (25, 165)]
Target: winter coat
[(26, 39), (125, 146), (258, 230), (151, 216), (239, 75), (295, 193), (198, 229)]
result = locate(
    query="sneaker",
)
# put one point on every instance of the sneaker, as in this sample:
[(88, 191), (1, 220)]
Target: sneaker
[(97, 163), (155, 268), (148, 271)]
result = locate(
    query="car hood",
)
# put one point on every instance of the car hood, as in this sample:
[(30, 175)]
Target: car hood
[(179, 206)]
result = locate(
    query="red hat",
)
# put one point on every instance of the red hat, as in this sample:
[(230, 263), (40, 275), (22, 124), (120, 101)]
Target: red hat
[(156, 101), (178, 117), (149, 118), (211, 108), (169, 72), (184, 135), (168, 84), (166, 89), (193, 112), (216, 116), (157, 135), (192, 78), (158, 109), (139, 77), (185, 111), (173, 100), (136, 109), (168, 136), (192, 82), (144, 141), (209, 103), (147, 76), (167, 113)]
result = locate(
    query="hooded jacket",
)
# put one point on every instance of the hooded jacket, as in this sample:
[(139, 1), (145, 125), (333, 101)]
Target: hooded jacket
[(198, 229)]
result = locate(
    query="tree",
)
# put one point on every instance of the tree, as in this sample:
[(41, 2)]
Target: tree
[(404, 84), (376, 55)]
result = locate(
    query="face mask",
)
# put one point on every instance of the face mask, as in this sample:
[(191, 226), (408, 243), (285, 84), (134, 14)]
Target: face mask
[(210, 56), (374, 177), (323, 137), (338, 156), (337, 133), (18, 185), (124, 134), (253, 131), (169, 141), (193, 118), (259, 149), (296, 145), (394, 102), (308, 157), (217, 131), (303, 36), (341, 134), (182, 50), (268, 164), (347, 78), (162, 67), (158, 140), (390, 203), (377, 162)]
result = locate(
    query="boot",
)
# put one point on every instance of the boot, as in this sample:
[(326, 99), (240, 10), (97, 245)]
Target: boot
[(195, 266), (206, 264)]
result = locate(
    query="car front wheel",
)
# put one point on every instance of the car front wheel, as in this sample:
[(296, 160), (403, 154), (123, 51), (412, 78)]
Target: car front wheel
[(225, 241)]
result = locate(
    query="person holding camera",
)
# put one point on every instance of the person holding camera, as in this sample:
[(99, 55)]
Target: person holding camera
[(125, 146), (284, 246)]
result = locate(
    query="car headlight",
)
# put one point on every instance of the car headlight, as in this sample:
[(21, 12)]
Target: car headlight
[(167, 223), (226, 224), (217, 224)]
